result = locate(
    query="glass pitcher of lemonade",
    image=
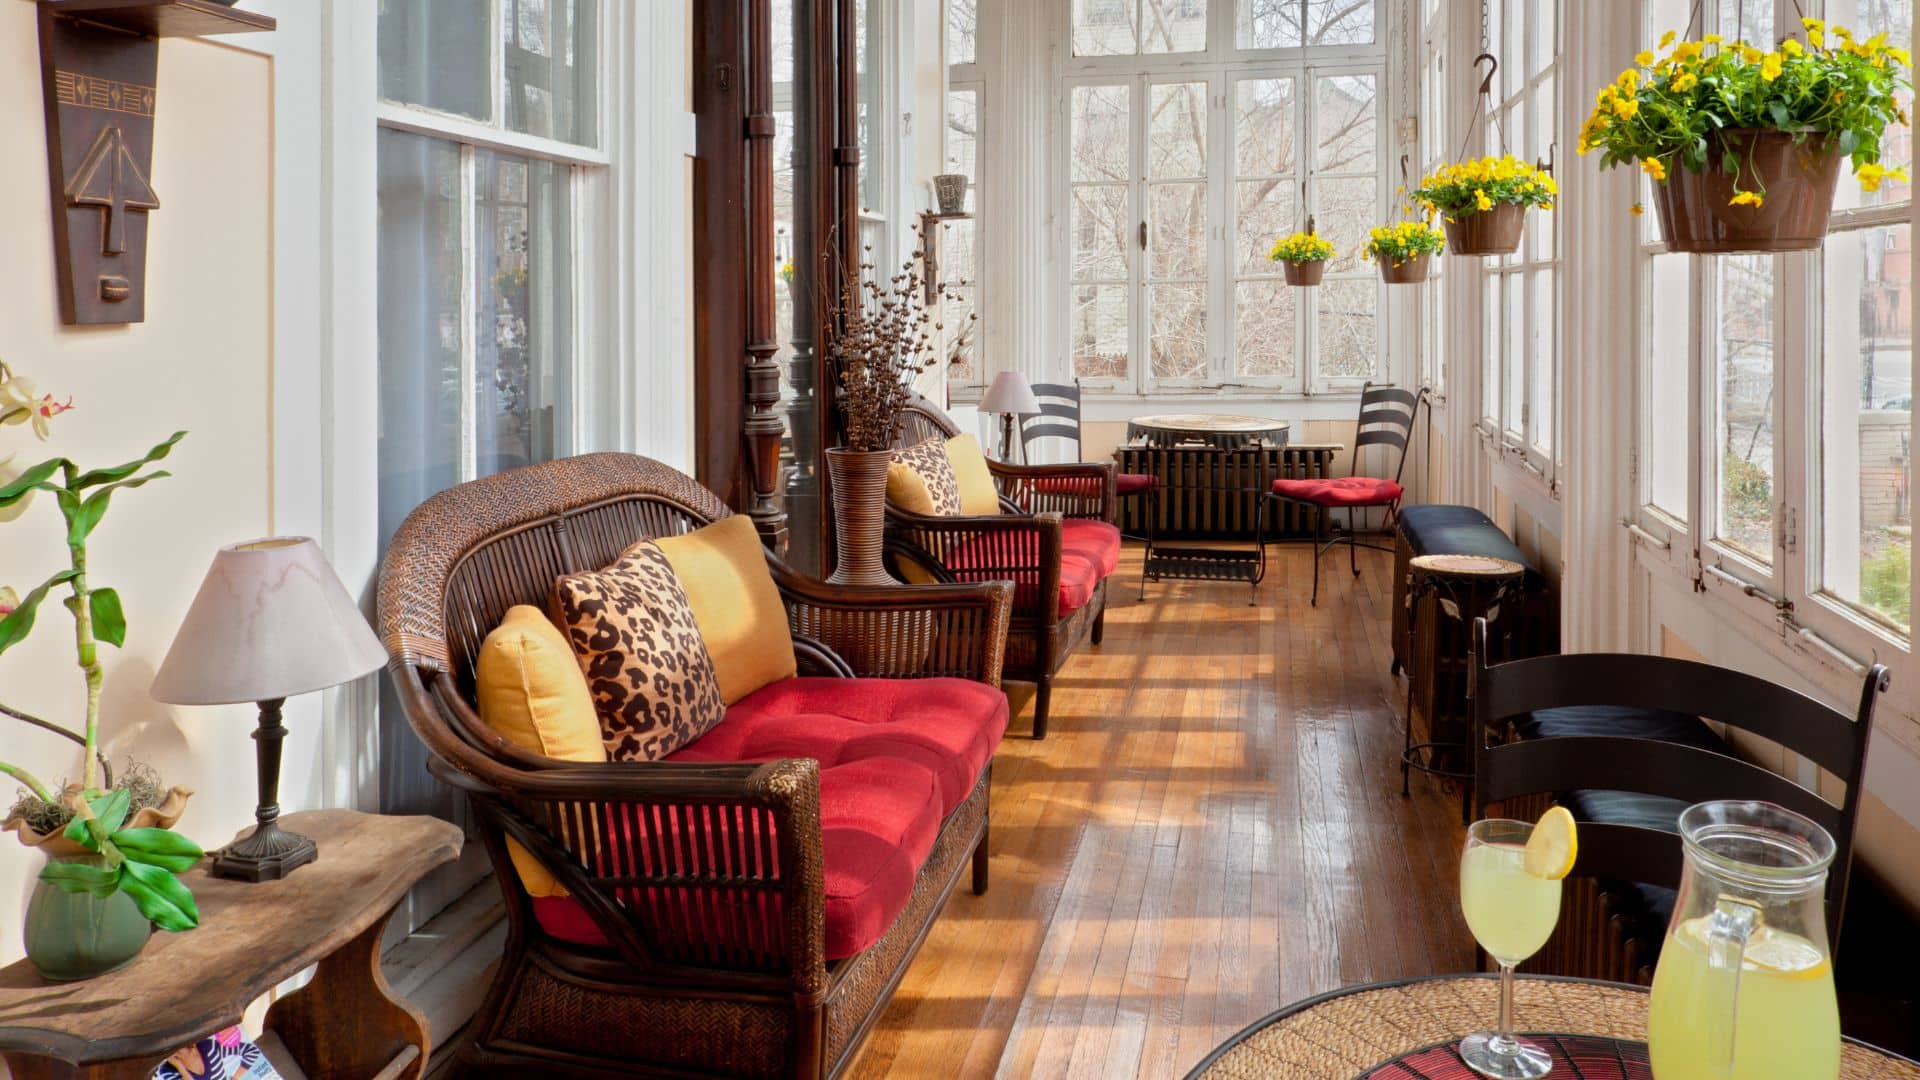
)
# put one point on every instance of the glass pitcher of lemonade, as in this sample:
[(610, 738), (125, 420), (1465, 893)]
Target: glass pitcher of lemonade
[(1744, 988)]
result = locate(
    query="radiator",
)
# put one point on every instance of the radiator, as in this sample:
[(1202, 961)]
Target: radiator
[(1213, 494)]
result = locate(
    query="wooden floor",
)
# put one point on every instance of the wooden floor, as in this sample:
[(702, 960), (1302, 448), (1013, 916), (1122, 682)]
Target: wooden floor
[(1212, 828)]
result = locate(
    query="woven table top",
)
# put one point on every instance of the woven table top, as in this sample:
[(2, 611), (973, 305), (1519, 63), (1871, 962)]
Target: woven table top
[(1349, 1033)]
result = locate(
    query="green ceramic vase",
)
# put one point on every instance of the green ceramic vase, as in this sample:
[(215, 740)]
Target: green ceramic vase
[(76, 936)]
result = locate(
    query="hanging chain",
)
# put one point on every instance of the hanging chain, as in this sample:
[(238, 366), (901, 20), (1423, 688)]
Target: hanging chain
[(1486, 42)]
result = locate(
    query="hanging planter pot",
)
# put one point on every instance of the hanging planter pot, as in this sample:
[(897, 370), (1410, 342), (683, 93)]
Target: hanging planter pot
[(1305, 273), (1791, 178), (1488, 232), (1411, 270)]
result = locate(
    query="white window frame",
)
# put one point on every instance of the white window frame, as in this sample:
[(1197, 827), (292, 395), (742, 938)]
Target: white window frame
[(1220, 66), (969, 77), (591, 373), (1512, 425), (1784, 596), (1434, 134)]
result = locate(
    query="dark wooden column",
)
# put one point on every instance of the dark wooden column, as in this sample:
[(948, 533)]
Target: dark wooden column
[(761, 425), (719, 247)]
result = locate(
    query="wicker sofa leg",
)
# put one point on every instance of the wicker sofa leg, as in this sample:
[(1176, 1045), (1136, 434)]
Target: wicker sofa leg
[(980, 862), (1099, 626), (1042, 702)]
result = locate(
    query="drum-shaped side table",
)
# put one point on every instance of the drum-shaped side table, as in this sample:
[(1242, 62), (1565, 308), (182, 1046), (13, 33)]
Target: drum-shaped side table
[(1445, 594)]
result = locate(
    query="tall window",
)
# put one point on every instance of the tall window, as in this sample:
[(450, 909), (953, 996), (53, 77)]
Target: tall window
[(1798, 445), (1198, 135), (1519, 398), (1433, 151), (960, 251), (490, 112)]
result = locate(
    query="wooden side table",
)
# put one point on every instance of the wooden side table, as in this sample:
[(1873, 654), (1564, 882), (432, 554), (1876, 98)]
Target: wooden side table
[(345, 1023)]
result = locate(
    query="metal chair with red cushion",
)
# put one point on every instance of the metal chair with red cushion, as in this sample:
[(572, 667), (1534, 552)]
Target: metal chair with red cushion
[(1059, 418), (1387, 415)]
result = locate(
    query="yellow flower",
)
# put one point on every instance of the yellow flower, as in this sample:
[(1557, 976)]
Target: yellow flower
[(1770, 67), (1872, 175), (1687, 51), (1712, 39), (1666, 39), (1636, 209), (1903, 56), (1815, 38), (1643, 58), (1654, 167), (1685, 81), (1628, 79), (1750, 55), (1746, 198), (1625, 108), (1792, 47), (1480, 199)]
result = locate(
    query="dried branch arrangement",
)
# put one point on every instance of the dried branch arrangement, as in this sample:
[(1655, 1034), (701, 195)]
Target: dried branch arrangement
[(883, 335)]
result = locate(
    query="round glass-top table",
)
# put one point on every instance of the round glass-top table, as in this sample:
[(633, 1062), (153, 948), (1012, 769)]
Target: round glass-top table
[(1408, 1029), (1224, 432)]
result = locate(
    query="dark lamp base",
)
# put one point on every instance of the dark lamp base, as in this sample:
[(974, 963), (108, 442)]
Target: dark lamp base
[(268, 853)]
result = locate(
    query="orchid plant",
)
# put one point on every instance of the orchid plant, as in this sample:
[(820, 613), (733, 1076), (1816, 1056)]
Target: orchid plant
[(95, 814)]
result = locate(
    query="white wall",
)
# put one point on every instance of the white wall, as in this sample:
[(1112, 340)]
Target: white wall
[(203, 361)]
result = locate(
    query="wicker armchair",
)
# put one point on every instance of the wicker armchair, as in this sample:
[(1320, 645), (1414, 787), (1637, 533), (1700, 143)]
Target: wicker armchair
[(706, 880), (1023, 545)]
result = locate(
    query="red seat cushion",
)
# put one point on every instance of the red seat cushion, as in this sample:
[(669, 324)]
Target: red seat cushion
[(1341, 491), (1089, 552), (1133, 483), (896, 756)]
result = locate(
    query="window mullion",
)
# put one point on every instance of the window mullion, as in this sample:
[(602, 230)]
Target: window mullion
[(1307, 316), (1141, 364), (469, 289), (1221, 224)]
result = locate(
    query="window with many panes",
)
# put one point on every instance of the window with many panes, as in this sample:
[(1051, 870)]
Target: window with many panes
[(1433, 151), (489, 117), (960, 242), (1776, 403), (1521, 355), (1197, 134)]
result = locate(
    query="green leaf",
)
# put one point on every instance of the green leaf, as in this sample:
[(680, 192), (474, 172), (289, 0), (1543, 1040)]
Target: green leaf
[(109, 813), (1848, 140), (159, 895), (1778, 110), (82, 523), (17, 488), (109, 621), (19, 622), (77, 877), (158, 847), (120, 472)]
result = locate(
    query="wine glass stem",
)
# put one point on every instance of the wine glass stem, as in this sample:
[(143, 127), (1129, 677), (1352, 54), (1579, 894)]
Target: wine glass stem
[(1504, 1038)]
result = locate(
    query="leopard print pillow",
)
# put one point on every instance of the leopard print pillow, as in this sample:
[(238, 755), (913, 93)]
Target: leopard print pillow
[(651, 676), (928, 462)]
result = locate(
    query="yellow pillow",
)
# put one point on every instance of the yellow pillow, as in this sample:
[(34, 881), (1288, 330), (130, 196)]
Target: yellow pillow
[(978, 495), (735, 604), (531, 690), (920, 480)]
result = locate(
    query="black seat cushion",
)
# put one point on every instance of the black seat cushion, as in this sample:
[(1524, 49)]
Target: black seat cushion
[(1619, 720), (1439, 529)]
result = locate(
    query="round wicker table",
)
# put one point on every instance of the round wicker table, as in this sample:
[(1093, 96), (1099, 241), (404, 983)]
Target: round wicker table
[(1220, 432), (1406, 1030)]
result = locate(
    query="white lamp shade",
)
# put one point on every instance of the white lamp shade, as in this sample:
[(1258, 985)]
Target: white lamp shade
[(1010, 393), (271, 621)]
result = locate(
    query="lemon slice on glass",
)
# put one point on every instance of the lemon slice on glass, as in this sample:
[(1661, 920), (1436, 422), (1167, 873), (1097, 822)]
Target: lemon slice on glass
[(1552, 845)]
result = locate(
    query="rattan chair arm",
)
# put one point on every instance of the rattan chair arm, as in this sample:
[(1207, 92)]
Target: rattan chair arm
[(904, 630), (1036, 539), (1094, 495)]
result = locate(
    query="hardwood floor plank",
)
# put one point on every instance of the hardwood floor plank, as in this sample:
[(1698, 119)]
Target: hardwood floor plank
[(1213, 828)]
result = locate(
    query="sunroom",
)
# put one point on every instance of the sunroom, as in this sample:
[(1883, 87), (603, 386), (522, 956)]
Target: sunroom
[(854, 538)]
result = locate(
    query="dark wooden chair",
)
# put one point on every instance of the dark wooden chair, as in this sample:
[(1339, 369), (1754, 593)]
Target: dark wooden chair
[(1023, 544), (705, 880), (1059, 418), (1387, 416), (1627, 790)]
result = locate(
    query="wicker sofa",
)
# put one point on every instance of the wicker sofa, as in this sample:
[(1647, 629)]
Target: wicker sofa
[(706, 899), (1058, 568)]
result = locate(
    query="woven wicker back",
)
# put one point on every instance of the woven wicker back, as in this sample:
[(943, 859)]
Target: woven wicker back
[(466, 555), (922, 420)]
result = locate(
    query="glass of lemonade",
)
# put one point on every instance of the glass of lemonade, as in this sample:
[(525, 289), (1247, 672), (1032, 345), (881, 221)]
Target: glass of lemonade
[(1512, 913)]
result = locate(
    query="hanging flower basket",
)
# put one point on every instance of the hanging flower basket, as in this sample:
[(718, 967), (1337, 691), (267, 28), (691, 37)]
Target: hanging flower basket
[(1408, 271), (1404, 250), (1484, 202), (1746, 154), (1303, 256), (1705, 212), (1491, 232)]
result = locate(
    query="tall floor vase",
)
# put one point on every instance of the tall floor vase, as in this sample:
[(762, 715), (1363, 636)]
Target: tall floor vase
[(859, 479)]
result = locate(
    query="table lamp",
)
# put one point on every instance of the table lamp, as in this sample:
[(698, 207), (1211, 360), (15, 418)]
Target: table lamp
[(271, 620), (1011, 396)]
